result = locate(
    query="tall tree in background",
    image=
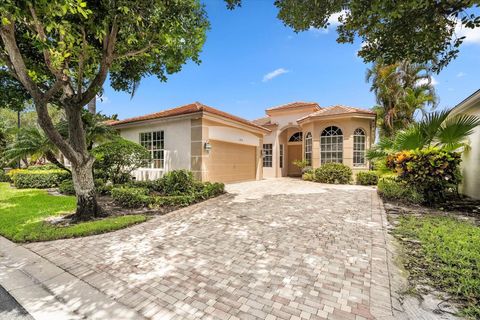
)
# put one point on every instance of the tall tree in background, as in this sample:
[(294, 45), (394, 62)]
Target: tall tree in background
[(402, 90), (61, 52)]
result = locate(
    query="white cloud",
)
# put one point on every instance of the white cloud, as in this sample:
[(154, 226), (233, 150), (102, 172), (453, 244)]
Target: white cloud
[(472, 36), (461, 74), (333, 22), (275, 73), (433, 81)]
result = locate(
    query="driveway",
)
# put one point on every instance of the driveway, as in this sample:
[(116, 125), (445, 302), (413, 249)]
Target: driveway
[(281, 248)]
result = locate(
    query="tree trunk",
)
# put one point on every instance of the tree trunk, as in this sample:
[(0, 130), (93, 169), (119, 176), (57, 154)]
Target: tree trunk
[(92, 106), (87, 206)]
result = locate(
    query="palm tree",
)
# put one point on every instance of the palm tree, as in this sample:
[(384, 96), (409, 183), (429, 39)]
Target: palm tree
[(436, 129), (401, 89), (32, 143)]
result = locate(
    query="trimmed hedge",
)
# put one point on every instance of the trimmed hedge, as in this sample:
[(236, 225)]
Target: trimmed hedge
[(367, 178), (211, 190), (66, 187), (333, 173), (178, 182), (39, 179), (129, 197), (391, 189), (173, 201)]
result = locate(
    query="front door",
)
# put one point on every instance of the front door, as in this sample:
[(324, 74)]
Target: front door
[(294, 153)]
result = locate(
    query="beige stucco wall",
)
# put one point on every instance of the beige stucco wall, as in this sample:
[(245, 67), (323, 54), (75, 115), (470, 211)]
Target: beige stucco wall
[(205, 130), (177, 138), (287, 125), (471, 161)]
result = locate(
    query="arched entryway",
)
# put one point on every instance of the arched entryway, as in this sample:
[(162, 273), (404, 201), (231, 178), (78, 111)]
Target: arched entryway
[(291, 149)]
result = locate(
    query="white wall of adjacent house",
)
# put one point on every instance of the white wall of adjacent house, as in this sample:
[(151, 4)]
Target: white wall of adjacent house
[(177, 145), (471, 161)]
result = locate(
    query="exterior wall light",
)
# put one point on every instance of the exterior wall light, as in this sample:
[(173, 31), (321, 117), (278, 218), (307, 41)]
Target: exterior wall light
[(207, 146)]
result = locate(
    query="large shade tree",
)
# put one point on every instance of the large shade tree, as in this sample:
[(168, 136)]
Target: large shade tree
[(60, 52), (421, 31)]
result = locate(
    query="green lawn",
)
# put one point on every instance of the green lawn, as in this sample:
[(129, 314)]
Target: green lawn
[(446, 256), (22, 212)]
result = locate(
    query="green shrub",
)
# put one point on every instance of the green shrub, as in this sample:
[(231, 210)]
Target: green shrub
[(117, 159), (433, 172), (129, 197), (173, 201), (4, 177), (178, 182), (66, 187), (392, 189), (152, 185), (308, 175), (40, 179), (101, 187), (210, 190), (333, 173), (367, 178)]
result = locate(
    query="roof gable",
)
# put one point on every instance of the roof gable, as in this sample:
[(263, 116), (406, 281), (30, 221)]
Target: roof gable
[(337, 110)]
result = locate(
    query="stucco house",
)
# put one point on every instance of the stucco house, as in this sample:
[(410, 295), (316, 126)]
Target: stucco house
[(304, 130), (471, 158), (214, 145), (218, 146)]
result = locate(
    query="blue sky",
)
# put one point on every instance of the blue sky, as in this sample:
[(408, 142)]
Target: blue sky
[(250, 62)]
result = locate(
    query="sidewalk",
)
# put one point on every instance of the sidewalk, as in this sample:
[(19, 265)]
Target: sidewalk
[(47, 292)]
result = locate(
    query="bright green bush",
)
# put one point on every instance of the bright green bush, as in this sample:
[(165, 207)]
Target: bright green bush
[(178, 182), (66, 187), (101, 187), (333, 173), (433, 172), (4, 177), (367, 178), (48, 166), (392, 189), (40, 179), (210, 190), (308, 175), (129, 197), (117, 159)]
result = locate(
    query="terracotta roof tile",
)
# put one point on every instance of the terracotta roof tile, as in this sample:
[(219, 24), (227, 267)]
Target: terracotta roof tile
[(336, 110), (188, 109), (293, 105), (264, 122)]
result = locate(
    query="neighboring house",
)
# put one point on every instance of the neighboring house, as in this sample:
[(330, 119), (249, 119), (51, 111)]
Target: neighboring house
[(471, 158), (304, 130), (215, 145)]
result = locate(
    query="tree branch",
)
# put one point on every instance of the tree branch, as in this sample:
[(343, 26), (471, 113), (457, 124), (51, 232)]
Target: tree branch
[(134, 53), (107, 59), (7, 32)]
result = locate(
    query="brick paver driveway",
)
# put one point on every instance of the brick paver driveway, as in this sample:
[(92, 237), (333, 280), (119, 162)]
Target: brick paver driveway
[(281, 248)]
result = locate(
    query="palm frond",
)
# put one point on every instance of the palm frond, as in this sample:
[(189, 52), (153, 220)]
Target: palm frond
[(456, 129)]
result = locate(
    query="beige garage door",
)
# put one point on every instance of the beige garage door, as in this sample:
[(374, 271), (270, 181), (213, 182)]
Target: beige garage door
[(231, 162)]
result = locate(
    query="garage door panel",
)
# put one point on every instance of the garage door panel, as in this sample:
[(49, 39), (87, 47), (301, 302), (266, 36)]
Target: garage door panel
[(231, 162)]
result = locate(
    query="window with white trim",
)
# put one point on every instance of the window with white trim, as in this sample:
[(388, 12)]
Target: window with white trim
[(331, 145), (267, 155), (280, 160), (154, 142), (359, 146), (296, 137), (308, 148)]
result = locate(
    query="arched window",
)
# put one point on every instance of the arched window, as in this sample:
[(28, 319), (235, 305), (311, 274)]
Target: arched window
[(308, 148), (296, 137), (331, 145), (359, 142)]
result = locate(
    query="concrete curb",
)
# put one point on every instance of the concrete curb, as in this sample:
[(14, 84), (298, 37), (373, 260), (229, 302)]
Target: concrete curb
[(48, 292)]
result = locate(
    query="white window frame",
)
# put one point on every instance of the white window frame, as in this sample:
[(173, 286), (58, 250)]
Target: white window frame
[(154, 142), (267, 155), (331, 145), (308, 148), (359, 147)]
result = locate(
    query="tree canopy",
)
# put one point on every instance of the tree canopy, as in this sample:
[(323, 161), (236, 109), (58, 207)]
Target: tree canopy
[(422, 31)]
